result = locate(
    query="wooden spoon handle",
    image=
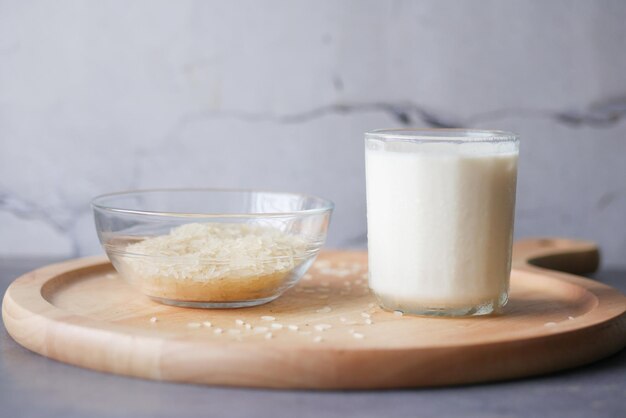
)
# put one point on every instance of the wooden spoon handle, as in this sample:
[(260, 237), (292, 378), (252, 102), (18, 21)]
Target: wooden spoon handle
[(561, 254)]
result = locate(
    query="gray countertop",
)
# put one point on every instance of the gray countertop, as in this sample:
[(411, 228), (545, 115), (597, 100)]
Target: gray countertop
[(33, 386)]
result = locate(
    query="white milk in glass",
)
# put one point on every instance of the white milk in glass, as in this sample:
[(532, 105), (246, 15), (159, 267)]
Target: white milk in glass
[(440, 208)]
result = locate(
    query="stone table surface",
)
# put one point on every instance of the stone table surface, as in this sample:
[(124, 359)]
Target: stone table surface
[(33, 386)]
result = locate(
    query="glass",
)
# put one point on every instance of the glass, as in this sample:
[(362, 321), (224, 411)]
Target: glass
[(208, 248), (440, 212)]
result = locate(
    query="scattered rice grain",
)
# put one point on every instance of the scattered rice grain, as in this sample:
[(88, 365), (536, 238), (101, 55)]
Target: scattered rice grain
[(153, 319), (322, 327), (358, 336), (268, 318), (321, 264)]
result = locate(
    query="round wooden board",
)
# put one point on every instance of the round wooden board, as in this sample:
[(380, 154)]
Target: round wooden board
[(81, 313)]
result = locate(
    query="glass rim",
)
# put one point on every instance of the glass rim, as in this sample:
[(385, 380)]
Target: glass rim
[(449, 135), (326, 205)]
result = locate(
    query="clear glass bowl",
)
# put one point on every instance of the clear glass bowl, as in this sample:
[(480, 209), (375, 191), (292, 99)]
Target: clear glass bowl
[(210, 248)]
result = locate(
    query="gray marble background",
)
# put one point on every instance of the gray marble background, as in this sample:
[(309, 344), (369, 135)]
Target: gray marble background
[(105, 96)]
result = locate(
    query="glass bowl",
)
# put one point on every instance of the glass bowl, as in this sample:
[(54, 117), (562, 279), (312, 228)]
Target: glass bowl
[(211, 248)]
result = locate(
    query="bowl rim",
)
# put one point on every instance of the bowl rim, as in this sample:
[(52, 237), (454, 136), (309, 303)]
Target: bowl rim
[(326, 204)]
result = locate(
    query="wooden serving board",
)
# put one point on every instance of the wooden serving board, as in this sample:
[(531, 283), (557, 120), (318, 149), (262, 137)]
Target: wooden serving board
[(80, 312)]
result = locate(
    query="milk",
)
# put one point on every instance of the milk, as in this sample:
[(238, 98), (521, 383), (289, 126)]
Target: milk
[(440, 225)]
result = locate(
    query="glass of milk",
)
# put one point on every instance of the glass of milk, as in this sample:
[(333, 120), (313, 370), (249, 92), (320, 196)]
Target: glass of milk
[(440, 210)]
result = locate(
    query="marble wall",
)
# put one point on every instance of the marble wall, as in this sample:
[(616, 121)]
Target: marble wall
[(106, 96)]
